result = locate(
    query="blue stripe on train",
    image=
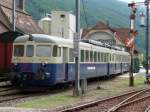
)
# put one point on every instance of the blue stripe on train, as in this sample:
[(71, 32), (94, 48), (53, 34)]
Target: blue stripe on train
[(59, 73)]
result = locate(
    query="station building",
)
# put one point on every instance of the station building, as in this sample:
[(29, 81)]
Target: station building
[(24, 25), (104, 33), (113, 36)]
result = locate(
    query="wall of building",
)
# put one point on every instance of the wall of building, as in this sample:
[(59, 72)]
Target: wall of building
[(103, 36), (63, 24)]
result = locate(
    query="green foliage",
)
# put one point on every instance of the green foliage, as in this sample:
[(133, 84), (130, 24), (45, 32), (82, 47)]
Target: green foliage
[(136, 64), (144, 63), (96, 10)]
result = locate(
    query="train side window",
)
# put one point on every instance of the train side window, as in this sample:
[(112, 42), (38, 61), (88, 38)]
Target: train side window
[(95, 56), (120, 58), (43, 51), (98, 57), (30, 50), (19, 50), (113, 58), (65, 54), (87, 56), (117, 58), (105, 58), (71, 57), (59, 51), (102, 59), (91, 56), (110, 57), (54, 51), (82, 55)]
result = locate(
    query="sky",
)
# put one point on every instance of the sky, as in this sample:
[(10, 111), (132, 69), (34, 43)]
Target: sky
[(129, 1)]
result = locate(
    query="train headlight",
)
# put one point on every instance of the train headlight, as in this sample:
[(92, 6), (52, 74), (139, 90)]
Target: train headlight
[(47, 75), (15, 67), (15, 64), (44, 64)]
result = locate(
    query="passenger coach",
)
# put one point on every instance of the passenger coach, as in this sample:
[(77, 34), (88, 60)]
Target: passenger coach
[(41, 60)]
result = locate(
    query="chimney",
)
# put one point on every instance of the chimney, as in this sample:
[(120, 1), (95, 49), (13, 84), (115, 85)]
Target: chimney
[(20, 4)]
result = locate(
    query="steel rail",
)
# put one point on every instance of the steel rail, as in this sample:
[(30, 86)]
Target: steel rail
[(96, 103), (131, 102), (129, 98)]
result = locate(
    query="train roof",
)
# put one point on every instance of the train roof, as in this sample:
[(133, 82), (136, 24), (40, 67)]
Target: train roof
[(41, 38)]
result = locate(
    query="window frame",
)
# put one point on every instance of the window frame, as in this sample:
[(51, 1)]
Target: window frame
[(23, 50)]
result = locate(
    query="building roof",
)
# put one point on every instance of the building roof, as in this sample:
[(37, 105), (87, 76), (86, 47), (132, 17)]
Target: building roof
[(8, 4), (3, 28), (122, 34), (100, 26), (24, 21)]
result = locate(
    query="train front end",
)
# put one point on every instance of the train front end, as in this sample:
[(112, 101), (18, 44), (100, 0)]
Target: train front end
[(30, 63)]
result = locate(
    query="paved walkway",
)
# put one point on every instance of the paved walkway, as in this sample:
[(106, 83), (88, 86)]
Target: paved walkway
[(12, 109), (141, 72)]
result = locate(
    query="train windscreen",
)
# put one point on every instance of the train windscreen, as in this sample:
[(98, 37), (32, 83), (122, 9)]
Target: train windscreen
[(30, 50), (43, 50), (19, 50)]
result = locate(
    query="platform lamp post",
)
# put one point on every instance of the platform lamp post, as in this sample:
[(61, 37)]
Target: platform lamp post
[(14, 15)]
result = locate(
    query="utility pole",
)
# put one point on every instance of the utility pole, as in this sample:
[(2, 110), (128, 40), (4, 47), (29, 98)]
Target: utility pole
[(147, 40), (146, 3), (14, 15), (77, 90)]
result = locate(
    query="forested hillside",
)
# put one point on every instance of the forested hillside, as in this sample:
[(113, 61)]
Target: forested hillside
[(95, 10)]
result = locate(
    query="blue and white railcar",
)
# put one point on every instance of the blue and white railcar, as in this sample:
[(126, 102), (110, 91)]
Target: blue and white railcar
[(41, 60)]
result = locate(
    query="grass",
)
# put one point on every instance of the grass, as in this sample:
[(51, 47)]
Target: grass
[(50, 101), (109, 88)]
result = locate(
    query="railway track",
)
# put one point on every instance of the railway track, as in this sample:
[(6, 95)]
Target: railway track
[(11, 95), (8, 94), (113, 104), (138, 105)]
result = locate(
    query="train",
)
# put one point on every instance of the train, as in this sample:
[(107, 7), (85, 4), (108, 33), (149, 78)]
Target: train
[(40, 60)]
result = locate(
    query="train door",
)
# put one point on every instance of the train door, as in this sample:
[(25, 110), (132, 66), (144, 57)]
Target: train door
[(65, 62)]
